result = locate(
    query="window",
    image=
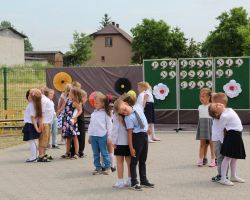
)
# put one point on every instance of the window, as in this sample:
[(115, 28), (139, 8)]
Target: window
[(103, 58), (108, 41)]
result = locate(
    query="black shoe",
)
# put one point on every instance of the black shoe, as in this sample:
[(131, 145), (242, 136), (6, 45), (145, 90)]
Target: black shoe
[(136, 187), (82, 155), (147, 185), (48, 157), (55, 146), (216, 178), (113, 169), (43, 159), (205, 161)]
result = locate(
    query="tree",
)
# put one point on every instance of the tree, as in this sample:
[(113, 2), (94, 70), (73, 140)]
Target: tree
[(106, 20), (80, 49), (151, 39), (27, 44), (178, 45), (245, 33), (193, 49), (226, 40)]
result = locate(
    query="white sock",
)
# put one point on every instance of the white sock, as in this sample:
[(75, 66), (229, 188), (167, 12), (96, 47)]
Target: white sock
[(33, 149)]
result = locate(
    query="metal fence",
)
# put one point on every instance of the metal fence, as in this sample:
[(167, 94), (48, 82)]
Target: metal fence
[(14, 82)]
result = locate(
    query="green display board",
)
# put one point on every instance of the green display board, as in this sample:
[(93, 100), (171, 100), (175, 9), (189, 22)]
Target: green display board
[(228, 69), (162, 71), (194, 74)]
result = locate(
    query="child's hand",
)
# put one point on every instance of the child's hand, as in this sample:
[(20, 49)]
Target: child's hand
[(132, 152), (114, 146)]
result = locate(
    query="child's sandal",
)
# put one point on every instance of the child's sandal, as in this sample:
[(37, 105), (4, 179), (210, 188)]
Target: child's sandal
[(65, 156), (75, 157)]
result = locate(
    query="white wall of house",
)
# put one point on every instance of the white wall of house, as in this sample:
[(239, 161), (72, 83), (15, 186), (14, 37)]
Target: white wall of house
[(11, 48)]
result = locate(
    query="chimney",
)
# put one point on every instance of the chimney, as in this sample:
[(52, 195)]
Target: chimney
[(117, 25), (113, 23)]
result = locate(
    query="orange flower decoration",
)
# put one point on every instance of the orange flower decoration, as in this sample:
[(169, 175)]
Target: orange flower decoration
[(60, 80)]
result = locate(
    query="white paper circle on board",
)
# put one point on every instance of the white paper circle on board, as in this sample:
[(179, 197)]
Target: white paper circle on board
[(184, 84), (239, 62), (172, 63), (229, 73), (200, 63), (209, 84), (208, 63), (155, 65), (172, 74), (229, 62), (200, 73), (163, 64), (163, 74), (191, 63), (220, 62), (219, 73), (183, 74), (209, 73), (191, 84), (184, 63), (200, 84), (191, 73)]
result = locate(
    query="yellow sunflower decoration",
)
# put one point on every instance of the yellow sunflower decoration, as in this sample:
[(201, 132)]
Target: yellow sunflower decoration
[(60, 80)]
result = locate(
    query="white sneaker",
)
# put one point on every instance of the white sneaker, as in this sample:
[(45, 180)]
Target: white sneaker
[(226, 182), (237, 179), (119, 184), (127, 183), (150, 140)]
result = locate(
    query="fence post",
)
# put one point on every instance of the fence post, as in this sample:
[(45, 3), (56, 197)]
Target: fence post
[(5, 98)]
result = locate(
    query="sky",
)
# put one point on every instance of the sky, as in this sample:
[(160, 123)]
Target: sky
[(49, 24)]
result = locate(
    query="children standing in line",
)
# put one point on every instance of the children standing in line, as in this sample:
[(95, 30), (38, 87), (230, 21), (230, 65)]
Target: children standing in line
[(233, 146), (218, 133), (121, 148), (99, 130), (32, 117), (137, 127), (60, 110), (204, 130), (70, 126), (146, 101)]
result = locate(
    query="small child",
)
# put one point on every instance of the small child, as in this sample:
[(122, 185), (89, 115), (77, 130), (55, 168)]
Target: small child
[(146, 101), (218, 133), (99, 130), (120, 143), (233, 146), (204, 130), (32, 117), (137, 127), (70, 126), (60, 110)]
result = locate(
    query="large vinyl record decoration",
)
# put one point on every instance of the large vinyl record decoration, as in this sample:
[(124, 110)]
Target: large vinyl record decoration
[(122, 85)]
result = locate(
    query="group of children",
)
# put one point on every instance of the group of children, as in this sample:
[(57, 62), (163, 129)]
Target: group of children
[(220, 128), (123, 125)]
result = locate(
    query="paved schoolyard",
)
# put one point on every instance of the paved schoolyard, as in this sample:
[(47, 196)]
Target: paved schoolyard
[(171, 166)]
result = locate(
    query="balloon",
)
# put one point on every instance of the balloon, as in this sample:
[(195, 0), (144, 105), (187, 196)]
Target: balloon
[(132, 93), (92, 99)]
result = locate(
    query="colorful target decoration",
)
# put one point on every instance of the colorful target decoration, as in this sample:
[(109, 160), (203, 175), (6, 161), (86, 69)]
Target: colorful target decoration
[(160, 91), (232, 89)]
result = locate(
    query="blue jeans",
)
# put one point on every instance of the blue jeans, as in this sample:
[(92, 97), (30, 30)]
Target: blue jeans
[(54, 130), (99, 145)]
